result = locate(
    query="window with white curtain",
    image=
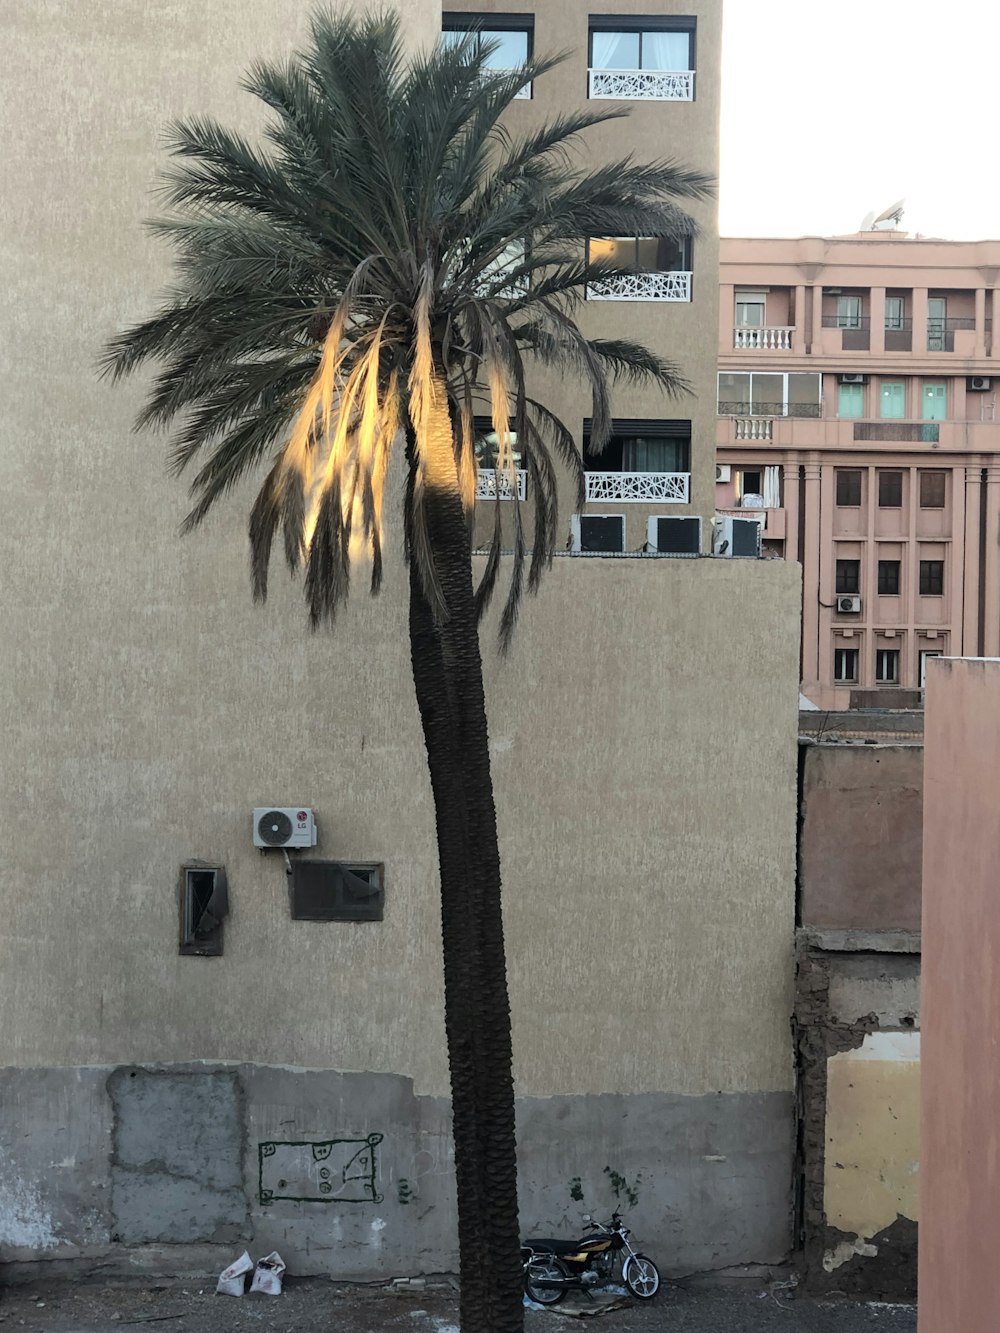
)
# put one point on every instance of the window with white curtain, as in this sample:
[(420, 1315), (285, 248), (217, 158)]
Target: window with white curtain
[(629, 48)]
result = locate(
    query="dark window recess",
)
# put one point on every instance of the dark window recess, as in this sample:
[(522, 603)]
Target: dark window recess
[(848, 576), (932, 578), (753, 483), (932, 486), (336, 891), (887, 666), (845, 666), (602, 532), (848, 488), (640, 446), (888, 578), (890, 490), (678, 536), (204, 902)]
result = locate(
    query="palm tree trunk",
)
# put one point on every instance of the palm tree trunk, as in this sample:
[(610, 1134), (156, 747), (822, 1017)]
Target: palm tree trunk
[(447, 675)]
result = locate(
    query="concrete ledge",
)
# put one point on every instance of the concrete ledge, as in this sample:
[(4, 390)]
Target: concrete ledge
[(831, 940)]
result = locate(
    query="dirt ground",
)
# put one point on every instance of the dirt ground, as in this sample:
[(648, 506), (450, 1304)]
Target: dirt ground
[(323, 1307)]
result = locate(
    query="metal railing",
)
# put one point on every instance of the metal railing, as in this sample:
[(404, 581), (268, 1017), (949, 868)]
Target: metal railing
[(669, 286), (754, 337), (847, 322), (813, 411), (491, 485), (639, 487), (920, 432), (656, 85)]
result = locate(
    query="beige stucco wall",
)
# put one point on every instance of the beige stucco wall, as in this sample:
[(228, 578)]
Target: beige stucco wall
[(145, 707)]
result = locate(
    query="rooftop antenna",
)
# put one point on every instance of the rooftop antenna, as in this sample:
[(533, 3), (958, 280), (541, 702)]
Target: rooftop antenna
[(867, 224)]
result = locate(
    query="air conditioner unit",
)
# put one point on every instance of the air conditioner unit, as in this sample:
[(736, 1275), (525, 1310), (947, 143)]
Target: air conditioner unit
[(738, 537), (978, 383), (853, 379), (723, 472), (848, 606), (283, 826), (674, 536), (598, 533)]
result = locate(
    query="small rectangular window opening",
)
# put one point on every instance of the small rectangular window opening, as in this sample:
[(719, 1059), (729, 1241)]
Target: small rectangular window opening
[(848, 488), (204, 903), (336, 890)]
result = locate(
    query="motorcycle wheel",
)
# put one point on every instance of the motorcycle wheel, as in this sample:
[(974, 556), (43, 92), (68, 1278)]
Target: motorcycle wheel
[(642, 1277), (543, 1270)]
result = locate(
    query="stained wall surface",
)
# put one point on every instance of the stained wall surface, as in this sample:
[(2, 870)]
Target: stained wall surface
[(146, 707), (861, 836), (960, 1175)]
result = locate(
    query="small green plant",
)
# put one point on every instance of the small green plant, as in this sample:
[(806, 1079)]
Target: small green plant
[(622, 1189)]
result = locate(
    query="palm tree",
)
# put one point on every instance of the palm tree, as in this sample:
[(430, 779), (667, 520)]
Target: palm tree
[(391, 257)]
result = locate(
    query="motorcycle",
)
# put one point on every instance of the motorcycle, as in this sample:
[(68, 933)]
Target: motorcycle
[(552, 1267)]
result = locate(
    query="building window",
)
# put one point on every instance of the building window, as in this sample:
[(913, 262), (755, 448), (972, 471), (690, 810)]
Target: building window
[(932, 490), (656, 268), (848, 488), (887, 666), (649, 59), (848, 312), (848, 576), (851, 400), (937, 324), (641, 446), (893, 312), (768, 394), (925, 656), (890, 490), (934, 402), (888, 578), (510, 35), (932, 578), (893, 401), (845, 666), (750, 308)]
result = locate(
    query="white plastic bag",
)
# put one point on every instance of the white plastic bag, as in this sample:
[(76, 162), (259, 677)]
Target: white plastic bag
[(232, 1280), (267, 1275)]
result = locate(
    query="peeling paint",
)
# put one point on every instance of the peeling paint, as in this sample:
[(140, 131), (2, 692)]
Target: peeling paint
[(845, 1251), (25, 1223)]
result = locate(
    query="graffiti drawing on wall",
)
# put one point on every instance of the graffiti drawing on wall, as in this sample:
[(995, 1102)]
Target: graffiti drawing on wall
[(324, 1171)]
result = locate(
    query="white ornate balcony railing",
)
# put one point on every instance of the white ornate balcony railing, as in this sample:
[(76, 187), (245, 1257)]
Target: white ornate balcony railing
[(643, 287), (490, 486), (774, 340), (638, 487), (656, 85), (753, 428)]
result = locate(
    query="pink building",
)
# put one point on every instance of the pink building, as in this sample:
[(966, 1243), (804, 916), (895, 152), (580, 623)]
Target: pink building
[(858, 381)]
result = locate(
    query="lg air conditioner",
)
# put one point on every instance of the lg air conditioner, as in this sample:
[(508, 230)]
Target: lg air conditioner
[(283, 826), (978, 383), (848, 606), (723, 472), (853, 379)]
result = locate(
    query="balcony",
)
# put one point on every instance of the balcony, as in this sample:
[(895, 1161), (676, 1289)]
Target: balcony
[(493, 485), (673, 286), (855, 332), (941, 334), (639, 487), (772, 521), (753, 428), (899, 335), (750, 412), (898, 432), (753, 337), (651, 85)]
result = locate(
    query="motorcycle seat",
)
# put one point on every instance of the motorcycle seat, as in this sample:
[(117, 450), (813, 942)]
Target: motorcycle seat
[(553, 1246)]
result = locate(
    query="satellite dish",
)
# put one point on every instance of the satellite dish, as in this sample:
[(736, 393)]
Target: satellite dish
[(867, 224), (893, 214)]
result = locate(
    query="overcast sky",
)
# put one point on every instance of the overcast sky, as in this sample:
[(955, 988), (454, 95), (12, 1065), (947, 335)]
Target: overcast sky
[(833, 109)]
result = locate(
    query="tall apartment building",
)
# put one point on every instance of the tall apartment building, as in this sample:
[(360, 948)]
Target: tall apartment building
[(660, 62), (291, 1091), (857, 414)]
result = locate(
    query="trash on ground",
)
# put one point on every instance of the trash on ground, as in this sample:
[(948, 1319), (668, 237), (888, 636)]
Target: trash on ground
[(599, 1303), (267, 1275), (232, 1280)]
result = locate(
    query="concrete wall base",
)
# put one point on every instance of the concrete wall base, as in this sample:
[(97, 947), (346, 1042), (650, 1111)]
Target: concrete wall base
[(174, 1169)]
